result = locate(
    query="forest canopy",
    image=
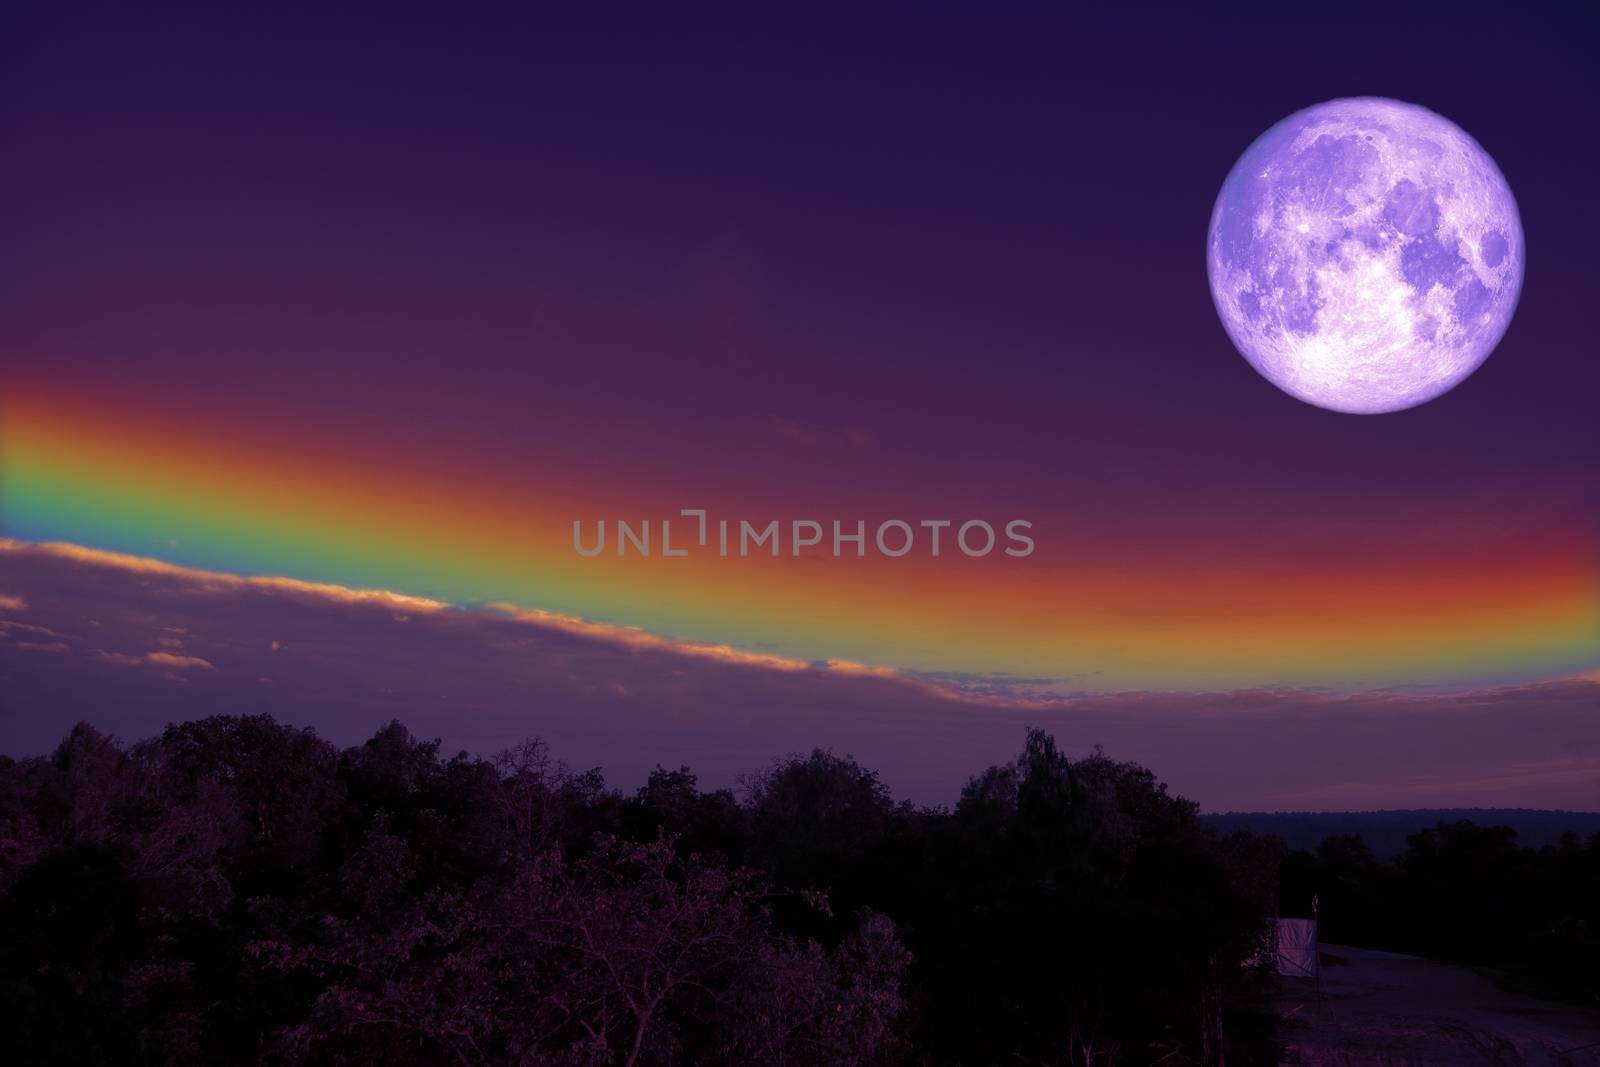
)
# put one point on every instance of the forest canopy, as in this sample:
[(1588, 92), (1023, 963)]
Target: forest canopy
[(238, 890)]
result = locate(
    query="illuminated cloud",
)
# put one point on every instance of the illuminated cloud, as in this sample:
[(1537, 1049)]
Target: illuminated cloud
[(167, 659), (155, 659), (633, 637), (12, 603), (211, 580)]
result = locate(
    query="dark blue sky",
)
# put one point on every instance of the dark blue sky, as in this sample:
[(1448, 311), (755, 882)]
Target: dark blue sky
[(976, 227)]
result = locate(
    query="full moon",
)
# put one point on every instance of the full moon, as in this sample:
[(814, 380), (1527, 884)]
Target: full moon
[(1365, 255)]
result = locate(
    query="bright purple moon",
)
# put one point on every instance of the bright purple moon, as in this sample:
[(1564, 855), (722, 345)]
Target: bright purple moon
[(1365, 255)]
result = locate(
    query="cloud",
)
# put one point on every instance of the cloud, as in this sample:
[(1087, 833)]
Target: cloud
[(212, 581), (9, 602), (8, 627), (167, 659), (625, 700), (633, 637), (156, 659)]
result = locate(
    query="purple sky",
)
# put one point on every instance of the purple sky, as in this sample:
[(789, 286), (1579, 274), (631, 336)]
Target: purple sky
[(130, 652), (976, 238), (654, 249)]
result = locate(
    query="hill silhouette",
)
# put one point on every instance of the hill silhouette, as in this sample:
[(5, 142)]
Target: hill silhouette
[(1386, 832)]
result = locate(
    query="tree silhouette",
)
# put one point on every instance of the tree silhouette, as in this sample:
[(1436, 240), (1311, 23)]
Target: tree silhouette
[(240, 891)]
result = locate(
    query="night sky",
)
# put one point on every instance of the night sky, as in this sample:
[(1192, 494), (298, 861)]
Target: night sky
[(386, 299)]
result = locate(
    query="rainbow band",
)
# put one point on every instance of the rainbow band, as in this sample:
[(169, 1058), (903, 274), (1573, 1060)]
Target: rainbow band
[(237, 499)]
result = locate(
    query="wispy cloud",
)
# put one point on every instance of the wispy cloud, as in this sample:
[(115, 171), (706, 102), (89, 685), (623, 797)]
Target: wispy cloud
[(154, 659), (43, 646), (8, 626), (215, 581), (628, 636), (167, 659)]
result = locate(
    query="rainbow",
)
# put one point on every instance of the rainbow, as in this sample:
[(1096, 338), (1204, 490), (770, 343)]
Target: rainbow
[(1498, 603)]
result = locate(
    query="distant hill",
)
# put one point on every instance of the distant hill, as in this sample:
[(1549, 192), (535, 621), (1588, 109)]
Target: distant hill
[(1385, 832)]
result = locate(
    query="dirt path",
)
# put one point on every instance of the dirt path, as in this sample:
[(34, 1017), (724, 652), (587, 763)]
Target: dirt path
[(1382, 1009)]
